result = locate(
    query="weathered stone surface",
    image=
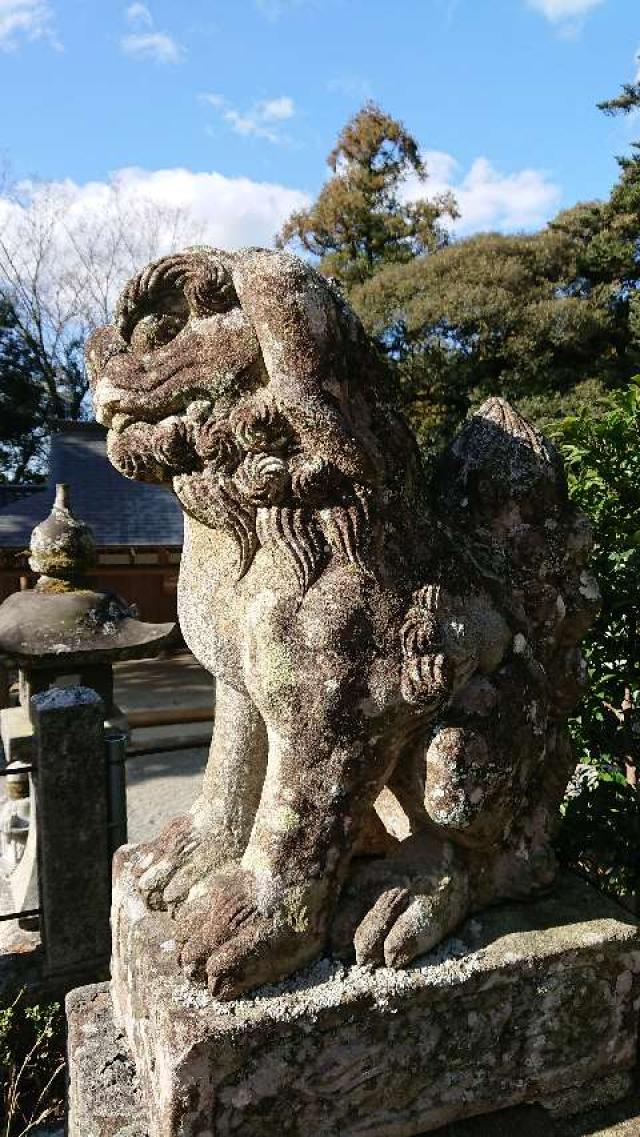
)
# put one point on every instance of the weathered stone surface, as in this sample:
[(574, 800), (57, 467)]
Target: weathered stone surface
[(377, 640), (103, 1095), (72, 816), (531, 1003)]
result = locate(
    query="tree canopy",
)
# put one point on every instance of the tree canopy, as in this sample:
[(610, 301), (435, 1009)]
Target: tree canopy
[(493, 314), (362, 219), (21, 409), (549, 319)]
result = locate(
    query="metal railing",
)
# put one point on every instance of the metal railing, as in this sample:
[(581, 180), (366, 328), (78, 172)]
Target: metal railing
[(25, 914), (118, 754)]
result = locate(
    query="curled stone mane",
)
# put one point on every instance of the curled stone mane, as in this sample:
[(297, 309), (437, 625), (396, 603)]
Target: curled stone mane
[(306, 528), (203, 284)]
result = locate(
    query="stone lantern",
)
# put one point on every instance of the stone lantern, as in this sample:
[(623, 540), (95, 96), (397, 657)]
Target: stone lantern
[(64, 631)]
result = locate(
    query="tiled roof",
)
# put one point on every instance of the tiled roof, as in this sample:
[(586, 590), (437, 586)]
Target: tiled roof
[(9, 493), (119, 511)]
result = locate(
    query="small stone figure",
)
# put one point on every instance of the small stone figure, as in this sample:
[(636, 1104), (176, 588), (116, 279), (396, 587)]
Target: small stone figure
[(395, 661), (15, 816)]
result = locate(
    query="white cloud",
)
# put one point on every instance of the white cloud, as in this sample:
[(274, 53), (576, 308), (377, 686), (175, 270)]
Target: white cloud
[(231, 212), (28, 19), (487, 198), (564, 11), (261, 120), (152, 45), (171, 208), (176, 205), (139, 14), (149, 44), (278, 109)]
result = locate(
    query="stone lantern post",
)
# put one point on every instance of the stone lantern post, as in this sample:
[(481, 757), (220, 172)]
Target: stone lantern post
[(64, 637)]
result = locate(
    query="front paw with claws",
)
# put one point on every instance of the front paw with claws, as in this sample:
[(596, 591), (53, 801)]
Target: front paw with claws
[(239, 935), (176, 862)]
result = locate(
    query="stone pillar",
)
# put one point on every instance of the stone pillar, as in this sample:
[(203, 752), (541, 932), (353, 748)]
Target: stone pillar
[(72, 812), (5, 686)]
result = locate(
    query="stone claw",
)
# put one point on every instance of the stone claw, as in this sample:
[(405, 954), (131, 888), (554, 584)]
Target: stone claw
[(371, 934), (177, 863), (227, 938)]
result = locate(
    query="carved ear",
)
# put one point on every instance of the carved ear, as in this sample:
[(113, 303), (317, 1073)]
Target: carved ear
[(304, 337), (294, 315)]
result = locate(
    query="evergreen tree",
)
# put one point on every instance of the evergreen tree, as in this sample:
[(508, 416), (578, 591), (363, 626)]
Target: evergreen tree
[(494, 314), (361, 220), (21, 405)]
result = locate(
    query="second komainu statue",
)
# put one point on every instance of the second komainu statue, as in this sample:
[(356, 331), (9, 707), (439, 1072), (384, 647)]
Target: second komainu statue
[(394, 660)]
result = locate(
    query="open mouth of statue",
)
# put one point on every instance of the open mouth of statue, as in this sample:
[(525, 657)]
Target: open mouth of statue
[(155, 450), (182, 442)]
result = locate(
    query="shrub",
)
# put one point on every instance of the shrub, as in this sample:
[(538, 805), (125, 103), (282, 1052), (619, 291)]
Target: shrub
[(32, 1060), (602, 816)]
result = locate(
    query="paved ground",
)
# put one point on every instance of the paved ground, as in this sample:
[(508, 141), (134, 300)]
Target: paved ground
[(160, 785)]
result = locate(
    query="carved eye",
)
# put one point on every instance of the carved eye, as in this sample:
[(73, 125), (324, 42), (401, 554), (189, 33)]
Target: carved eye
[(155, 331)]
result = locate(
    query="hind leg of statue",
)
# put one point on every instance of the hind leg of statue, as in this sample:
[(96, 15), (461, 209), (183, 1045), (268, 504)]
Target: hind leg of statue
[(216, 830), (399, 907), (467, 852)]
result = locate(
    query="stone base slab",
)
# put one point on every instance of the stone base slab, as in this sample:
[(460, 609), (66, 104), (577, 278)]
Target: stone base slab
[(532, 1003), (104, 1097)]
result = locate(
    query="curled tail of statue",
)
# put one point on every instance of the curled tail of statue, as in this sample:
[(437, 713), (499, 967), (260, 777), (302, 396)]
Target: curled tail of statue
[(501, 493), (490, 647)]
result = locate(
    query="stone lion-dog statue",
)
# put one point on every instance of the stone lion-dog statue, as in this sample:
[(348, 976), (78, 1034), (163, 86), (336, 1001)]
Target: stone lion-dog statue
[(395, 657)]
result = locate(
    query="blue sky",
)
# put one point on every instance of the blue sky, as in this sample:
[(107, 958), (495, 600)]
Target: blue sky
[(231, 106)]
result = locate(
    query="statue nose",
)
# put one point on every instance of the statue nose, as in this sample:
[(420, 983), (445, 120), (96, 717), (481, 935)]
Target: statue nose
[(102, 347)]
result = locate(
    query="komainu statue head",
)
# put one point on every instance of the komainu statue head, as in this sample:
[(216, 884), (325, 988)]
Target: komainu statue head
[(394, 660), (246, 380)]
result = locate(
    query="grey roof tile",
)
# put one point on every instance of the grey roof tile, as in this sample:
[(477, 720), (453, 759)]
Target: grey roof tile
[(10, 492), (119, 511)]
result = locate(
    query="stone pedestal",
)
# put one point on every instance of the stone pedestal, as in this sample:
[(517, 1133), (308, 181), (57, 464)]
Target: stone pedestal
[(531, 1003)]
